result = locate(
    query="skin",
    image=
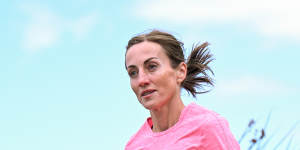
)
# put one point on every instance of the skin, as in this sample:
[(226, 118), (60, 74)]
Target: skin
[(150, 70)]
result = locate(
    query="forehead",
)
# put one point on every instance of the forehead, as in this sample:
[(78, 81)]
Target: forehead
[(140, 52)]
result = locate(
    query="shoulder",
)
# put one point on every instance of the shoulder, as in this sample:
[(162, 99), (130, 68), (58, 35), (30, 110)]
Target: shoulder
[(214, 128), (139, 137), (201, 114), (205, 119)]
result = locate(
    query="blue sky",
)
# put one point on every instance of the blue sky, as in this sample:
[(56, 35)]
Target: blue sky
[(63, 84)]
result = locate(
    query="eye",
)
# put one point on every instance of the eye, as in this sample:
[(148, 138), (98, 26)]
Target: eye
[(132, 73), (152, 67)]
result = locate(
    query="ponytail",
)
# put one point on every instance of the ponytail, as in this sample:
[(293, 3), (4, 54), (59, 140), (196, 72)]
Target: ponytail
[(197, 70)]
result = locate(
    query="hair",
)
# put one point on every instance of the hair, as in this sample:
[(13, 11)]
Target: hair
[(197, 77)]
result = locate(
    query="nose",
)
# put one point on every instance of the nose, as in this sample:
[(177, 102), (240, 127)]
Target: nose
[(143, 79)]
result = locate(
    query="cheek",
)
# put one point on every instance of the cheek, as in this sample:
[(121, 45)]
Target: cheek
[(167, 80), (134, 86)]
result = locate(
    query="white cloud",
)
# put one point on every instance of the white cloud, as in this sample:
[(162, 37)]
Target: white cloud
[(45, 28), (83, 25), (252, 85), (270, 17)]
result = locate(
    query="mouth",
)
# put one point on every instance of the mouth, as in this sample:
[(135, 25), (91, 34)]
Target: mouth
[(147, 92)]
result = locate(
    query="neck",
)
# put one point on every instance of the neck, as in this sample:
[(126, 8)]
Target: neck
[(167, 115)]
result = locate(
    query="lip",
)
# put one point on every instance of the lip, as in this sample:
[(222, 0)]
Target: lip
[(146, 91)]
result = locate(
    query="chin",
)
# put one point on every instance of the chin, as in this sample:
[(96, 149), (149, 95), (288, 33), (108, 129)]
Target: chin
[(148, 104), (152, 104)]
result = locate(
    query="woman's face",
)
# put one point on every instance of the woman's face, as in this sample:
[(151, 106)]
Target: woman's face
[(152, 78)]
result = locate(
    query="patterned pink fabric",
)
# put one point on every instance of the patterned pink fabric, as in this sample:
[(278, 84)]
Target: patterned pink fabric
[(197, 129)]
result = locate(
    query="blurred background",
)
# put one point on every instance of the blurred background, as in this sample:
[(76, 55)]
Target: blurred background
[(63, 84)]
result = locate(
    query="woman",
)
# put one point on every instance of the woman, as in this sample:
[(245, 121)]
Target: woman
[(157, 69)]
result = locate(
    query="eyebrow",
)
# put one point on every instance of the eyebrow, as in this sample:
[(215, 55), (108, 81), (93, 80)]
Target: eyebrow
[(145, 62)]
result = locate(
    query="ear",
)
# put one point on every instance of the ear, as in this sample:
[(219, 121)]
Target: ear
[(181, 72)]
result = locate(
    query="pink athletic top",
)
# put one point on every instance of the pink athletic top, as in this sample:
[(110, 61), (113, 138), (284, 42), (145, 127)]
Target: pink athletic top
[(196, 129)]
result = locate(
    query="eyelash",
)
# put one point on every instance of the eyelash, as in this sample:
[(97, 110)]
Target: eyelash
[(152, 67), (132, 73)]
